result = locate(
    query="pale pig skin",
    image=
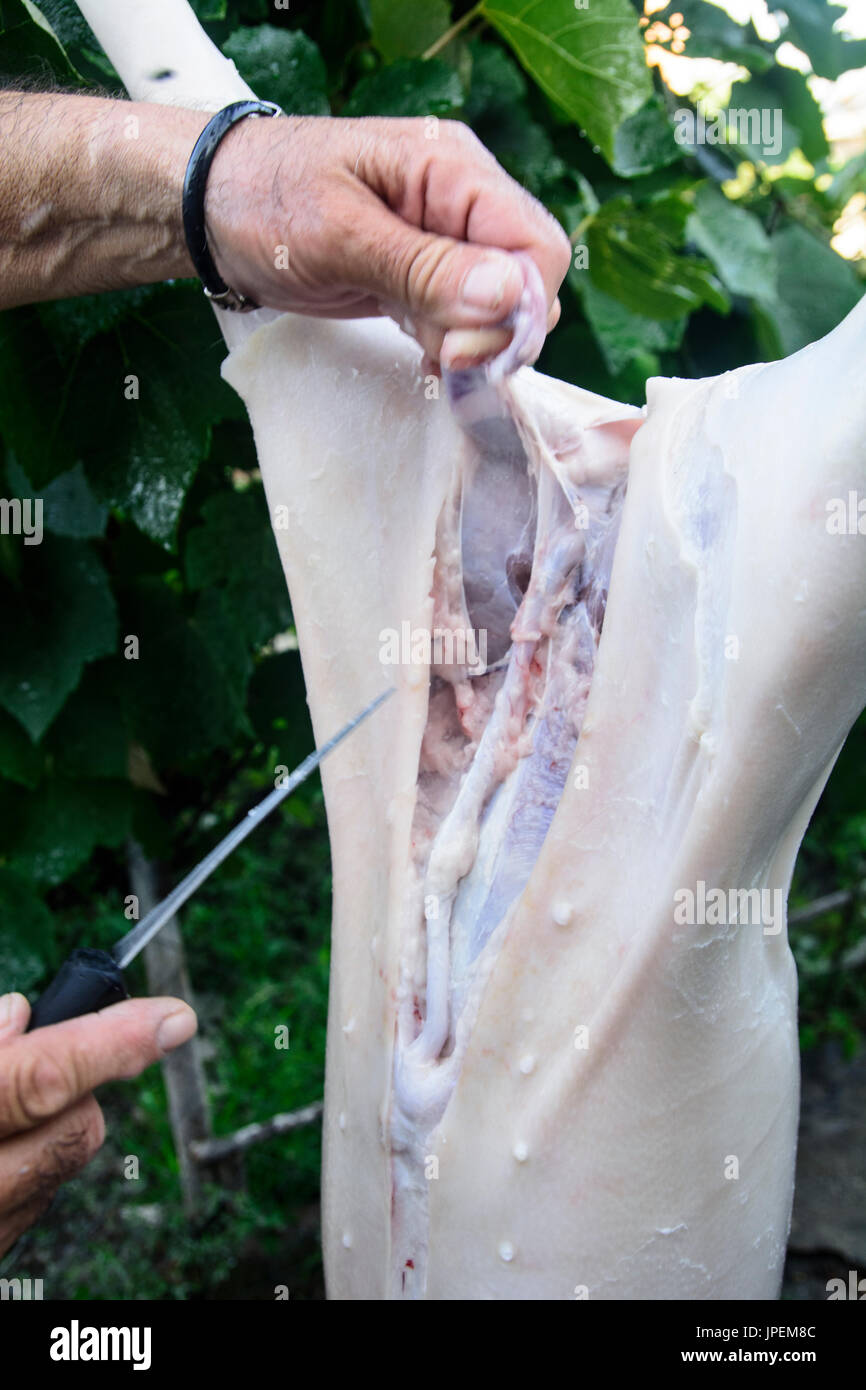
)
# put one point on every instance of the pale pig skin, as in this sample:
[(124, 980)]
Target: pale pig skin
[(655, 1158)]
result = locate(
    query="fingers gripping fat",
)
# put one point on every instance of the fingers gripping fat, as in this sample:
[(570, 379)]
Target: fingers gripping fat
[(621, 1116)]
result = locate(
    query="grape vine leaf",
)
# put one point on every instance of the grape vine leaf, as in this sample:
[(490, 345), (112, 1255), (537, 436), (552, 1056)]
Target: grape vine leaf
[(20, 760), (61, 617), (589, 59), (233, 551), (734, 240), (633, 257), (282, 66), (69, 506), (26, 933), (409, 87), (59, 825), (815, 290)]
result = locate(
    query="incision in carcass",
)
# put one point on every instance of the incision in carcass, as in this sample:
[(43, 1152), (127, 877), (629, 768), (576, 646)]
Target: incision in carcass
[(524, 549)]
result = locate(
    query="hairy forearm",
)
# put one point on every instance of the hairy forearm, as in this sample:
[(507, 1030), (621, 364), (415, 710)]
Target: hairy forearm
[(314, 215), (90, 194)]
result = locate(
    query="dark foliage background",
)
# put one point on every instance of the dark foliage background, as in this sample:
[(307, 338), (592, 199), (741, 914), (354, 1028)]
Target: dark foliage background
[(698, 260)]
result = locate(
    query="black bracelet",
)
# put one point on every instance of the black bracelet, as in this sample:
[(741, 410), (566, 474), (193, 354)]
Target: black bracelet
[(194, 185)]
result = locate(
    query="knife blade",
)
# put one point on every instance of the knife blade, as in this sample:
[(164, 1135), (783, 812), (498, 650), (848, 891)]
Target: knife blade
[(91, 979)]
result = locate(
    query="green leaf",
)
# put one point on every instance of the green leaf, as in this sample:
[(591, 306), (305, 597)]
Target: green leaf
[(30, 48), (63, 20), (62, 23), (496, 109), (815, 290), (160, 462), (234, 551), (31, 391), (154, 385), (93, 65), (734, 240), (573, 201), (645, 141), (73, 322), (62, 617), (633, 257), (26, 934), (497, 83), (810, 28), (47, 381), (181, 706), (283, 66), (39, 18), (209, 10), (60, 824), (525, 149), (20, 761), (157, 449), (623, 336), (216, 623), (667, 212), (589, 61), (571, 353), (407, 28), (69, 506), (89, 738), (409, 87)]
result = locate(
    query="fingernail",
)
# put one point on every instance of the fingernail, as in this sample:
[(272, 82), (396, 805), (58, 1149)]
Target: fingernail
[(485, 285), (13, 1012), (176, 1029), (463, 346)]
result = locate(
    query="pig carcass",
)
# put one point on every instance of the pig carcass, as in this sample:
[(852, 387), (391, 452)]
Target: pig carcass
[(562, 1049)]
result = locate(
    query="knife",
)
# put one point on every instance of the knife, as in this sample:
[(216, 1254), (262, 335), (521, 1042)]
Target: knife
[(91, 979)]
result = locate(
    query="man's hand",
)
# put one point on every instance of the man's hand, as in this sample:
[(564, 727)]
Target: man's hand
[(50, 1124), (347, 218), (325, 216)]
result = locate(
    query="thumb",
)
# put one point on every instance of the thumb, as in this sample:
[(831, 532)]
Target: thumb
[(45, 1072), (452, 284)]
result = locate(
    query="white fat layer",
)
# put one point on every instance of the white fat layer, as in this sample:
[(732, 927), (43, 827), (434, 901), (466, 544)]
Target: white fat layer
[(619, 1065)]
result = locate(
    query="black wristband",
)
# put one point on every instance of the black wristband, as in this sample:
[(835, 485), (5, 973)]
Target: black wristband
[(194, 185)]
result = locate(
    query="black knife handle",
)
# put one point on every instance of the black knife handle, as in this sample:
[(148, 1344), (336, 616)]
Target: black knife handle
[(87, 980)]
